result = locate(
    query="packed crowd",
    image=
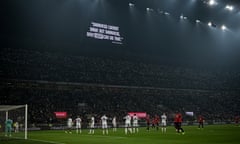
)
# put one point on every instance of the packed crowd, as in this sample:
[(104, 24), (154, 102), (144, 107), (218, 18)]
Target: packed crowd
[(77, 99), (35, 65), (84, 86)]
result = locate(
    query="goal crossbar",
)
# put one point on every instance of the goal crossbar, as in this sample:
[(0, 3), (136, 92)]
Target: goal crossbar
[(10, 107)]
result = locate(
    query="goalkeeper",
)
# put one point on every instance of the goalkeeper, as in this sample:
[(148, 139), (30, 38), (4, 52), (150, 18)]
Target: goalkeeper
[(8, 127)]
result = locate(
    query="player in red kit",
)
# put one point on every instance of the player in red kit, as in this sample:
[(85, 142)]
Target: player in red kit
[(148, 122), (153, 122), (157, 120), (237, 120), (200, 121), (178, 122)]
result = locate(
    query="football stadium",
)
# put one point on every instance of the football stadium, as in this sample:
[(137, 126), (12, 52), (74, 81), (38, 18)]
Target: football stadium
[(120, 72)]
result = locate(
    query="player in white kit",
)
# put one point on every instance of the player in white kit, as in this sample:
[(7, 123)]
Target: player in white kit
[(114, 123), (164, 123), (69, 125), (78, 125), (92, 122), (104, 124), (135, 123), (16, 125), (128, 124)]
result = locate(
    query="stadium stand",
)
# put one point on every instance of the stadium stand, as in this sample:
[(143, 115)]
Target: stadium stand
[(83, 85)]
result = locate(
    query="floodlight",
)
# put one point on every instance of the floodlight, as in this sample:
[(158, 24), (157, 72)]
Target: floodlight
[(198, 21), (209, 23), (149, 9), (212, 2), (161, 12), (229, 7), (181, 17), (131, 4), (223, 27), (166, 13)]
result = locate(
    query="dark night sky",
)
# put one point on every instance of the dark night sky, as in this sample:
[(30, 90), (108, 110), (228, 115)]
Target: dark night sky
[(61, 26)]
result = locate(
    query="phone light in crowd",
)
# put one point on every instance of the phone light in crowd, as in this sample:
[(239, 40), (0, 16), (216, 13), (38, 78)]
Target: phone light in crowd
[(131, 4), (229, 7)]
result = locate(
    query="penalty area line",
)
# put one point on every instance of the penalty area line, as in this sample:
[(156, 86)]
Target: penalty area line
[(106, 136), (52, 142)]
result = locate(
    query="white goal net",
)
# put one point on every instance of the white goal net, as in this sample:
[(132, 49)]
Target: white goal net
[(13, 121)]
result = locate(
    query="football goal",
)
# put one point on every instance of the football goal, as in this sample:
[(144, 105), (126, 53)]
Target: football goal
[(13, 120)]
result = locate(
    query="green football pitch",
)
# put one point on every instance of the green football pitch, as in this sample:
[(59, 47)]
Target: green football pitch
[(218, 134)]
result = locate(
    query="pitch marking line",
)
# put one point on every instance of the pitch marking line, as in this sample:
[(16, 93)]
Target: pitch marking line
[(52, 142), (107, 136)]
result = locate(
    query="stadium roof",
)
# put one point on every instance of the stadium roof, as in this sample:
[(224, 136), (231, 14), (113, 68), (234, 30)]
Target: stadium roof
[(161, 30)]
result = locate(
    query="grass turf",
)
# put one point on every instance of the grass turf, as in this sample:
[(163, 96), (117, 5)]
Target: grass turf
[(224, 134)]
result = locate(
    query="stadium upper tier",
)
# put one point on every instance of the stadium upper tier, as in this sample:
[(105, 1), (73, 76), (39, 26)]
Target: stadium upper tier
[(34, 65)]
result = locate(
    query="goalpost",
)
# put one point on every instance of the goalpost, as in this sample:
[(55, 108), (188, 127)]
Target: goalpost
[(17, 113)]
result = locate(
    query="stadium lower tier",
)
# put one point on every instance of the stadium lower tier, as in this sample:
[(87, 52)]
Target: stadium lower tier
[(44, 98)]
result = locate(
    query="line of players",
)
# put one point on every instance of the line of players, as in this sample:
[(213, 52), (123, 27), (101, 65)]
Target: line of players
[(129, 129), (156, 122)]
